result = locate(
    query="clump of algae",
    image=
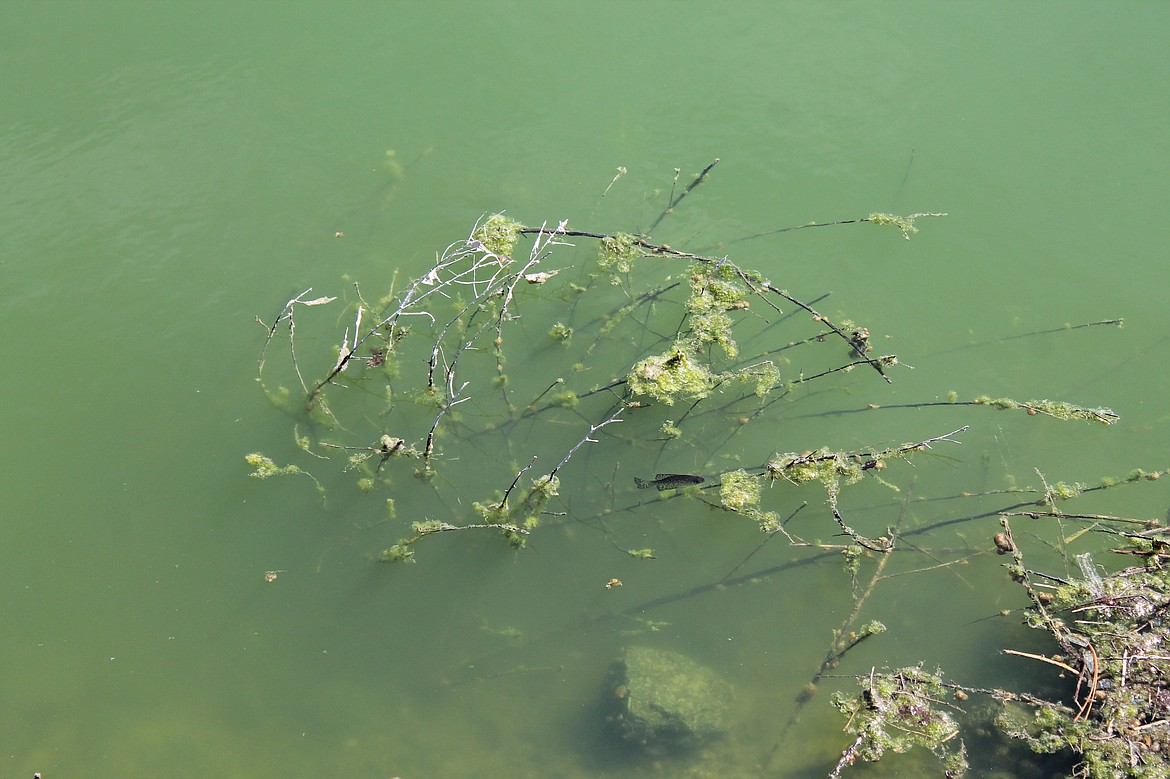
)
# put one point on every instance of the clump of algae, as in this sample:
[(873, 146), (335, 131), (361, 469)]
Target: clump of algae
[(739, 491), (498, 234), (618, 252), (673, 375)]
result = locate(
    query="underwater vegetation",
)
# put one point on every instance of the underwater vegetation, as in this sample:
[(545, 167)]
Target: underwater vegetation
[(670, 354)]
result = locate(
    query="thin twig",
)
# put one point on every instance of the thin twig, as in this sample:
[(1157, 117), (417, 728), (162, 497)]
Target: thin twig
[(818, 317), (843, 641), (621, 171), (1119, 323), (767, 538), (1041, 658), (686, 191), (614, 417), (1087, 706), (1094, 517), (807, 225), (804, 226), (512, 486), (848, 756), (445, 527)]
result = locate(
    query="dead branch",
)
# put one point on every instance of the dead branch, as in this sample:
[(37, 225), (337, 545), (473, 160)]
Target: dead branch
[(614, 417), (1041, 658), (1147, 523), (849, 756), (882, 544), (845, 638), (698, 179), (849, 339), (1118, 323), (875, 218)]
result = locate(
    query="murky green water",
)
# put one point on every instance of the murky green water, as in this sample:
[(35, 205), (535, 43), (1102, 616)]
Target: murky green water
[(172, 171)]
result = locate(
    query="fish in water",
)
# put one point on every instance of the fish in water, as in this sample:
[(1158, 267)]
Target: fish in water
[(668, 481)]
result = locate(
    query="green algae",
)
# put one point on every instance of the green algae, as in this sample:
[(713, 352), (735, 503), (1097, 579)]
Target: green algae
[(1053, 408), (904, 223), (265, 468), (823, 465), (566, 399), (739, 491), (1111, 628), (673, 375), (617, 253), (900, 710), (498, 234), (561, 333)]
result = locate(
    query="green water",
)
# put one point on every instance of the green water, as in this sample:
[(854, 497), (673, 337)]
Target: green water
[(172, 171)]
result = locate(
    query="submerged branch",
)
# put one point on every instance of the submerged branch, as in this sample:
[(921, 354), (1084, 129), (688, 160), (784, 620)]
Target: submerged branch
[(847, 338), (686, 191), (904, 223), (1118, 323), (614, 417)]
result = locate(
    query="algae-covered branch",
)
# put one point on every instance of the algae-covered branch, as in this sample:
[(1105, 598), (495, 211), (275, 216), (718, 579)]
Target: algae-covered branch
[(639, 326), (538, 376)]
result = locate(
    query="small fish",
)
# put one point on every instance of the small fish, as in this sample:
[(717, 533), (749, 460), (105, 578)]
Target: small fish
[(668, 481)]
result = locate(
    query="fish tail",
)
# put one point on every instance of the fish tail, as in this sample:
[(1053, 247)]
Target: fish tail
[(642, 484)]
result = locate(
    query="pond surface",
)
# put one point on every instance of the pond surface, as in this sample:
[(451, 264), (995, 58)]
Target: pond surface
[(172, 172)]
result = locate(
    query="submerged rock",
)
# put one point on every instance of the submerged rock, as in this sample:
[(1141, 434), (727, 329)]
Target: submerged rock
[(663, 700)]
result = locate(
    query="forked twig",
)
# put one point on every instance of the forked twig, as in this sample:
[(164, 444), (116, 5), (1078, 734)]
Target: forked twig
[(876, 364), (686, 191), (614, 417)]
